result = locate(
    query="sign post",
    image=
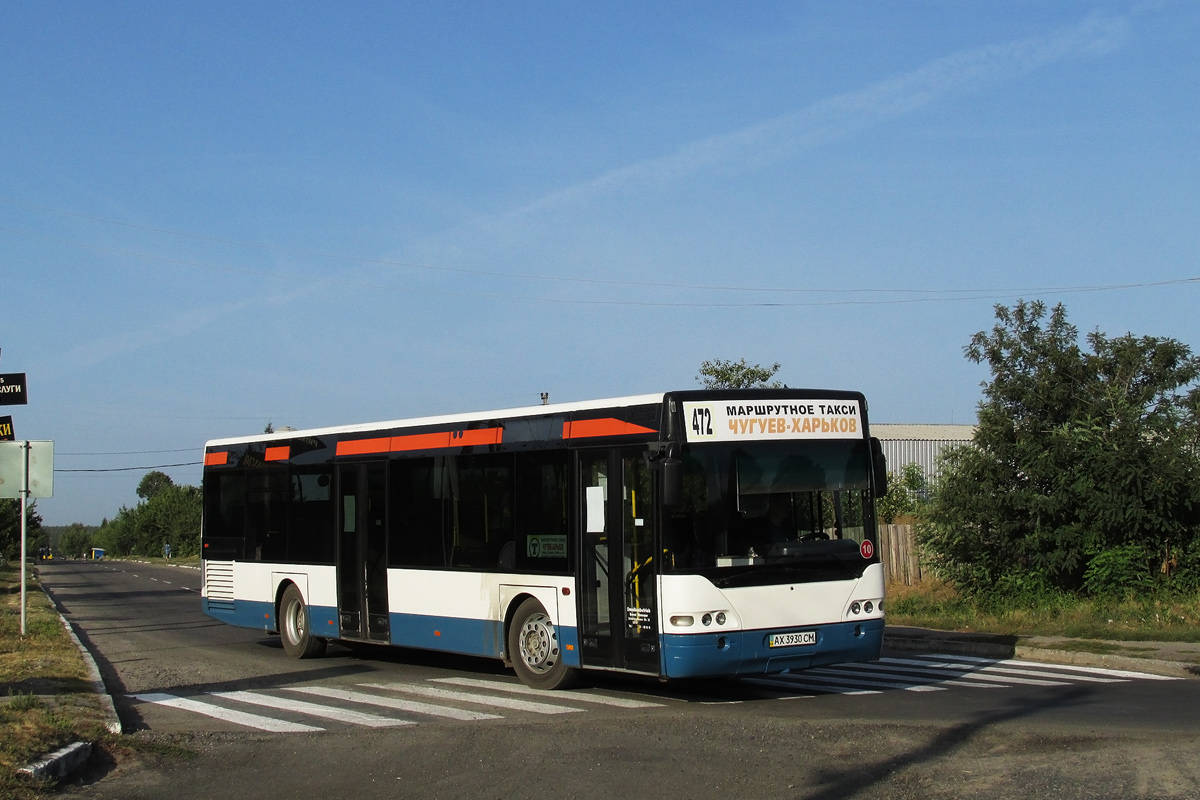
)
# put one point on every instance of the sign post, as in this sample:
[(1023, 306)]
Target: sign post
[(26, 471)]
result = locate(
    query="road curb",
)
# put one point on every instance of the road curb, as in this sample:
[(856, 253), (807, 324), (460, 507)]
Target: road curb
[(112, 722), (60, 763), (1004, 647)]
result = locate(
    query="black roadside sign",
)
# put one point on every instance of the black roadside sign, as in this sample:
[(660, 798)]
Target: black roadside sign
[(6, 430), (12, 389)]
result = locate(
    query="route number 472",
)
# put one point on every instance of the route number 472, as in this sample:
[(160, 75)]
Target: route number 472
[(702, 422)]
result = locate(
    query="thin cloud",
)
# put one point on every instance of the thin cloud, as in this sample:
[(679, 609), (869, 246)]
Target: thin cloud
[(842, 115), (100, 350)]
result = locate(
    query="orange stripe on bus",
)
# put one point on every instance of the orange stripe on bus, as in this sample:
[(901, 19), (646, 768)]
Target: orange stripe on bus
[(583, 428), (420, 441), (278, 453), (216, 459), (359, 447), (478, 437)]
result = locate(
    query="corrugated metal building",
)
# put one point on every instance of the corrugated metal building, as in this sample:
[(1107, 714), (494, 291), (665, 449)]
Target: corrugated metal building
[(919, 444)]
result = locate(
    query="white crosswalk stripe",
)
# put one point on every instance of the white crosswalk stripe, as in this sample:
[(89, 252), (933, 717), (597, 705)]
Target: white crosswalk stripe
[(470, 697), (931, 675), (907, 685), (256, 721), (312, 709), (397, 703), (1114, 673), (799, 683), (930, 672), (1018, 668), (445, 698), (951, 669), (520, 688)]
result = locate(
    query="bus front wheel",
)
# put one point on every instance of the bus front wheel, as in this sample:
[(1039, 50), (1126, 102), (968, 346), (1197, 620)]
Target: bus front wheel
[(535, 651), (298, 641)]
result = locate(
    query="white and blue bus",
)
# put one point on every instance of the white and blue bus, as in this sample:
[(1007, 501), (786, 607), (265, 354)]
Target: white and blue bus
[(677, 535)]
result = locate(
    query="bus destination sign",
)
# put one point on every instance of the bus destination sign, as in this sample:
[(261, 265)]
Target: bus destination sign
[(731, 421), (6, 430), (12, 389)]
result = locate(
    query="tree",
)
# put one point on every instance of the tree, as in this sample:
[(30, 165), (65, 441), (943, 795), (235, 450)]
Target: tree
[(719, 373), (908, 493), (1080, 457), (168, 514), (153, 483), (10, 528), (75, 540)]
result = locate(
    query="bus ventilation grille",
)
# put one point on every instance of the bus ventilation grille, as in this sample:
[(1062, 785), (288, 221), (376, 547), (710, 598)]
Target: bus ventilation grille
[(218, 584)]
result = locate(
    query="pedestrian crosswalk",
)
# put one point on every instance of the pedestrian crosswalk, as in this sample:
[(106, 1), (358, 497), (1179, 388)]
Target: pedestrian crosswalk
[(939, 672), (313, 707), (458, 699)]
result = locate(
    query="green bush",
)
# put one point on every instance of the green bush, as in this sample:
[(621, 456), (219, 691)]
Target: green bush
[(1118, 572)]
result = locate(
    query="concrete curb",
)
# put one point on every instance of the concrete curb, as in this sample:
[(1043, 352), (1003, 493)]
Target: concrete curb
[(112, 721), (60, 763), (1006, 647), (66, 760)]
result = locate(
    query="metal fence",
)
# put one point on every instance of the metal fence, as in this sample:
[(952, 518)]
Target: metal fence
[(919, 444)]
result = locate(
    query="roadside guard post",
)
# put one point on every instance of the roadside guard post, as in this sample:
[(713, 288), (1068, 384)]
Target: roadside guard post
[(26, 472)]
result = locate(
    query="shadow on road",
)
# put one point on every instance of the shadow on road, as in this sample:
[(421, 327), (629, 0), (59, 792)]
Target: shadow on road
[(857, 777)]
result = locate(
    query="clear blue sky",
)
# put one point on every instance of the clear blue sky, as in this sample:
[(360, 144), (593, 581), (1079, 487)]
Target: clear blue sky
[(215, 215)]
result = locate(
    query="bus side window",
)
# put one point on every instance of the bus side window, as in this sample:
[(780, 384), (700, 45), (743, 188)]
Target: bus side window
[(417, 505), (224, 515), (483, 509), (541, 515), (311, 516)]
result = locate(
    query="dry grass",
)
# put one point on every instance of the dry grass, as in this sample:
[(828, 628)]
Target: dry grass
[(937, 605), (46, 700)]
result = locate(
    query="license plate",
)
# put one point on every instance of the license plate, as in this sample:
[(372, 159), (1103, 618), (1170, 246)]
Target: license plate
[(792, 639)]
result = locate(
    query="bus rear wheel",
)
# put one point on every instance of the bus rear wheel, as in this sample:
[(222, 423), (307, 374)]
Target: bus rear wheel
[(298, 641), (535, 651)]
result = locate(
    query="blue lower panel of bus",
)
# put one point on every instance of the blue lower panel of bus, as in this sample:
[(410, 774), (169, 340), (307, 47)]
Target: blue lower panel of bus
[(750, 653), (322, 620), (475, 637)]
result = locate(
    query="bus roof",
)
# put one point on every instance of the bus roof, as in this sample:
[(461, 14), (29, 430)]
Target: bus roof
[(508, 413)]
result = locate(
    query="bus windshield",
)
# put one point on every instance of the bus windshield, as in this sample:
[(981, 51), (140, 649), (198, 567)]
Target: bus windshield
[(767, 512)]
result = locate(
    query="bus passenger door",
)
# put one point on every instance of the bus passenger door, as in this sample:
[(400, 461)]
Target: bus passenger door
[(618, 613), (362, 552)]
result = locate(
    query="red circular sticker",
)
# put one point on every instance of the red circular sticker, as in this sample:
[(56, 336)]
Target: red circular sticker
[(867, 549)]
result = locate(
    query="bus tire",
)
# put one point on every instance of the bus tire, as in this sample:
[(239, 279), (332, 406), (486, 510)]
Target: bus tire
[(298, 641), (534, 649)]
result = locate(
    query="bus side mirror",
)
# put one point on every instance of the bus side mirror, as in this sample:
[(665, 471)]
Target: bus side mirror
[(672, 482), (879, 468)]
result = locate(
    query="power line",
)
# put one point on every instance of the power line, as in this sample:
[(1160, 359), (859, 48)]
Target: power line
[(930, 295), (133, 469), (134, 452), (927, 295)]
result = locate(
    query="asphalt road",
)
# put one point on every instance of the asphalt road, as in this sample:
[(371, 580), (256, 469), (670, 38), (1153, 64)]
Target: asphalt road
[(376, 722)]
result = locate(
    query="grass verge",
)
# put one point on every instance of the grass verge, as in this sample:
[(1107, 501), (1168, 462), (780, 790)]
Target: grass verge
[(46, 699), (933, 604)]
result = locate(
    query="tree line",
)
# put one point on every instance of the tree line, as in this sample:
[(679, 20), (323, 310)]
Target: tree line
[(167, 514), (1083, 475)]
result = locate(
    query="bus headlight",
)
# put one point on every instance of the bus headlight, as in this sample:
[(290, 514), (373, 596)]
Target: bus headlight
[(868, 607), (720, 617), (706, 619), (683, 621), (855, 607)]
